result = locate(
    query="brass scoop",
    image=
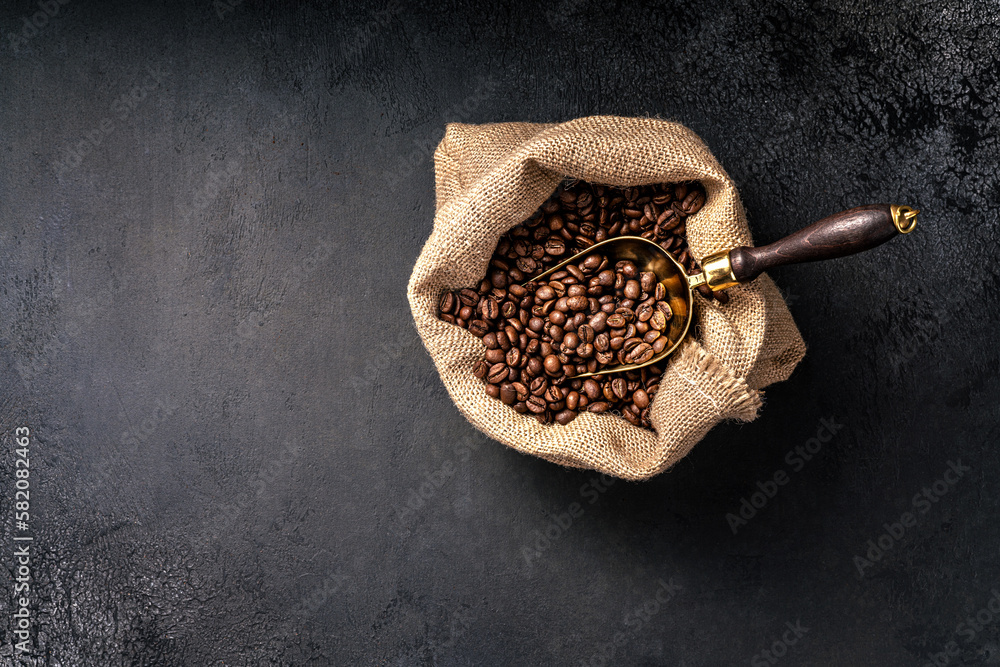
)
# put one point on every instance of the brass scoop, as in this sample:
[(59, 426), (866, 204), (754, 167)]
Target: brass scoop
[(840, 234)]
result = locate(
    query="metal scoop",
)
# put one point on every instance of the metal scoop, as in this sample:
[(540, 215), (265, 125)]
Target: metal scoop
[(844, 233)]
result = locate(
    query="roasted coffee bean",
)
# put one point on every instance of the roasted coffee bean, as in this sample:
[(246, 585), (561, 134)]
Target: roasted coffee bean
[(643, 312), (536, 404), (499, 278), (630, 343), (632, 289), (616, 321), (495, 356), (591, 389), (641, 399), (544, 293), (577, 303), (489, 309), (647, 280), (498, 373), (493, 390), (693, 202), (480, 369), (586, 333), (465, 313), (469, 297), (555, 246), (522, 391), (576, 273), (591, 263), (660, 344), (658, 321), (517, 291), (447, 303), (503, 340), (478, 328), (513, 357), (599, 407), (565, 416), (619, 388), (552, 365), (572, 400), (508, 394), (606, 278), (642, 353)]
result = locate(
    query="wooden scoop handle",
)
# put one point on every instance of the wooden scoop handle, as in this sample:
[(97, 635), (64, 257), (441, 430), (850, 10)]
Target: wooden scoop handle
[(840, 234)]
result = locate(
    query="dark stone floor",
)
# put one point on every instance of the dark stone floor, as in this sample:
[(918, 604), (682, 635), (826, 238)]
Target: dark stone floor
[(208, 215)]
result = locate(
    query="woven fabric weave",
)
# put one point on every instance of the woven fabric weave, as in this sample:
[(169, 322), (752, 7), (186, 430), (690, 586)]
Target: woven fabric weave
[(489, 178)]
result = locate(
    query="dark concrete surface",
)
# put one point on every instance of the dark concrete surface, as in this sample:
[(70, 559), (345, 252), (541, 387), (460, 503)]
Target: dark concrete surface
[(208, 215)]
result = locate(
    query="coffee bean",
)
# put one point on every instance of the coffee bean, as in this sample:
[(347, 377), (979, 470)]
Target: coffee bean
[(552, 365), (495, 356), (641, 399), (616, 321), (619, 388), (642, 353), (545, 293), (565, 416), (591, 263), (513, 357), (469, 297), (498, 373), (493, 391), (508, 394), (572, 400), (447, 303), (489, 309), (599, 407), (555, 246), (536, 404), (644, 312), (480, 369), (577, 303), (658, 321), (478, 328), (693, 202)]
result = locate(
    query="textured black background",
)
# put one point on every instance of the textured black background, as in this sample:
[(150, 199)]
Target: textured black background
[(204, 325)]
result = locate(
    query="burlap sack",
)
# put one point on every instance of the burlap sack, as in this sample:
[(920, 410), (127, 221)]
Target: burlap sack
[(492, 177)]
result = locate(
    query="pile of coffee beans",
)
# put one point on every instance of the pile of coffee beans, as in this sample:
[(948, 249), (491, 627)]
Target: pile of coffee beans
[(585, 317)]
